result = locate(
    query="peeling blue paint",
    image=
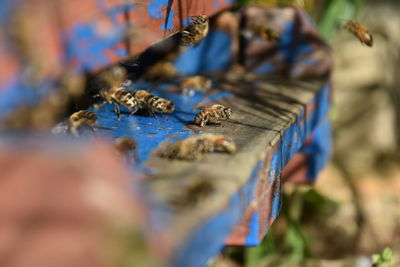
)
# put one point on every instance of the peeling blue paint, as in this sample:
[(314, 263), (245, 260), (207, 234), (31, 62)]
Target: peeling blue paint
[(187, 21), (273, 172), (155, 8), (276, 204), (252, 238), (319, 150), (210, 235), (18, 93), (116, 10), (170, 22), (85, 45), (216, 4)]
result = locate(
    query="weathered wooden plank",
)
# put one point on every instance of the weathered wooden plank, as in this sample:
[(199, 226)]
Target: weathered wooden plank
[(269, 126), (272, 119)]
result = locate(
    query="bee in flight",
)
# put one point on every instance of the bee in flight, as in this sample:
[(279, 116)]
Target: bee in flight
[(213, 114), (194, 147), (82, 119), (359, 31), (190, 84), (195, 31), (152, 103), (265, 33)]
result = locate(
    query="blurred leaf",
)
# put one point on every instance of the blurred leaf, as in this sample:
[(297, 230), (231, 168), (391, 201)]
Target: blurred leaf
[(316, 204), (296, 242), (387, 254), (383, 259), (376, 258)]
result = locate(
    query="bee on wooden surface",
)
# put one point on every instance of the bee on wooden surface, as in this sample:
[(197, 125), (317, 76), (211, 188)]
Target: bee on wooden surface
[(152, 103), (114, 84), (191, 193), (194, 147), (126, 146), (119, 96), (359, 31), (160, 71), (213, 114), (195, 31), (265, 33), (81, 120), (215, 143), (190, 84)]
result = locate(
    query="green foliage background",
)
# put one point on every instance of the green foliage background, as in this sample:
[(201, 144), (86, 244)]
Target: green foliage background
[(329, 14)]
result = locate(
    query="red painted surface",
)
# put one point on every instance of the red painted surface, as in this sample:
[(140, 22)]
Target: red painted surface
[(54, 27)]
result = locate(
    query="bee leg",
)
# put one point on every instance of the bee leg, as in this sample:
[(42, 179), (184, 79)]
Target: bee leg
[(116, 110), (203, 123), (218, 123), (149, 112)]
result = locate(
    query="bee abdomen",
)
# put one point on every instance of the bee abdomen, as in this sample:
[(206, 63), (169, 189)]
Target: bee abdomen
[(202, 118), (151, 100), (83, 114), (127, 99)]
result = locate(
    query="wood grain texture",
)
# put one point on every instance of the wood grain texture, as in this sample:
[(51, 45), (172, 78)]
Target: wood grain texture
[(272, 118), (261, 117)]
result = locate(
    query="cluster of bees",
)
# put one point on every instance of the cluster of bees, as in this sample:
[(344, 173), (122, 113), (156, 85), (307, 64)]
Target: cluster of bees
[(193, 147), (116, 92)]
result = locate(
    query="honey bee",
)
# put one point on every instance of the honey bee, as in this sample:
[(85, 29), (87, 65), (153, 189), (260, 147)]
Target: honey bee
[(81, 119), (114, 83), (213, 114), (152, 103), (125, 145), (193, 191), (193, 147), (265, 33), (195, 82), (359, 31), (160, 71), (120, 96), (195, 31)]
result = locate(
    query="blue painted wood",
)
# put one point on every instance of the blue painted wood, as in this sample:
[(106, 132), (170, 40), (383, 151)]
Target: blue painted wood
[(213, 54), (209, 237)]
